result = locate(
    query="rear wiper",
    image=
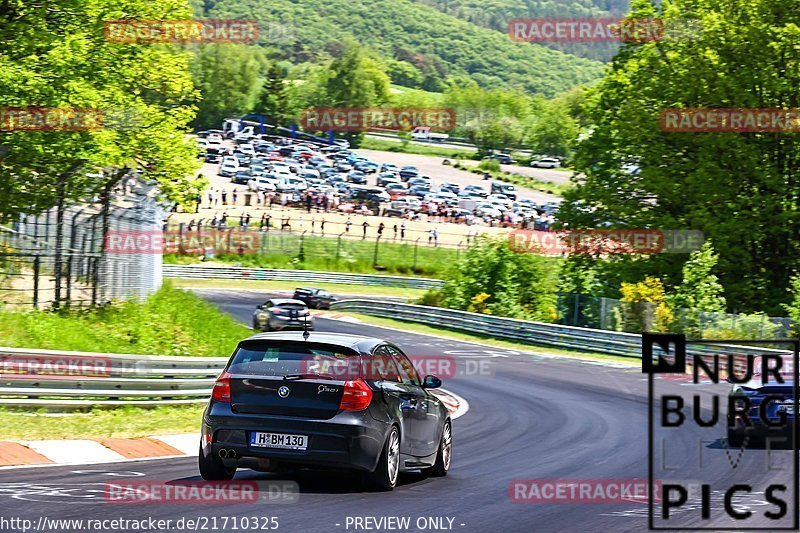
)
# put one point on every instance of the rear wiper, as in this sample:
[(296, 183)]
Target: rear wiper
[(306, 375)]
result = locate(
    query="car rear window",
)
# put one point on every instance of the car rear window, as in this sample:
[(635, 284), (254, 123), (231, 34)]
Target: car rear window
[(295, 358), (292, 306)]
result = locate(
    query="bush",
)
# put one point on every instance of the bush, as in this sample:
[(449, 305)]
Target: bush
[(743, 326), (492, 278), (492, 165), (432, 298)]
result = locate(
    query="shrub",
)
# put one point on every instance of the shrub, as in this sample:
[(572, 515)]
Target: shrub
[(491, 276), (492, 165)]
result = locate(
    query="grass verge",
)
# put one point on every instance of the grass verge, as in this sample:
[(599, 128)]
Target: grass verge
[(277, 250), (370, 143), (120, 422), (169, 322), (519, 180), (482, 339), (335, 288)]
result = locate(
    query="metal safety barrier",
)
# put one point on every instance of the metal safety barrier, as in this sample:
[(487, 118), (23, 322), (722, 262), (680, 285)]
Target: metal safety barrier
[(304, 276), (529, 332), (74, 380)]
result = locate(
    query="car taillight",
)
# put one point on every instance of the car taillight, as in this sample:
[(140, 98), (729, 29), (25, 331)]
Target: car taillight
[(222, 388), (356, 396)]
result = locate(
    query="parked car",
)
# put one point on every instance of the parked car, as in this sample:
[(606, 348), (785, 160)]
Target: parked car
[(314, 298), (476, 190), (419, 181), (384, 178), (546, 162), (506, 189), (407, 202), (503, 159), (408, 172), (212, 158), (419, 190), (243, 159), (262, 183), (454, 188), (241, 177), (396, 189), (357, 177), (227, 169), (324, 400), (366, 166), (488, 210), (291, 184)]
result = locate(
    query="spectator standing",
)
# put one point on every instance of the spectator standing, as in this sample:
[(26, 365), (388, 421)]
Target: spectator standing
[(224, 197), (381, 226), (347, 225), (365, 225)]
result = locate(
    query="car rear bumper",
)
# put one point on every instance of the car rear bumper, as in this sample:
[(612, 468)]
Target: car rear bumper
[(348, 440)]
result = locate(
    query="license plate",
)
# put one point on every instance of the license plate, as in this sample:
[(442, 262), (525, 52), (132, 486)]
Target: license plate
[(278, 440)]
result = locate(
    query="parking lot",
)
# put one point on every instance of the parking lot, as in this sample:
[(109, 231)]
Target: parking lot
[(340, 205)]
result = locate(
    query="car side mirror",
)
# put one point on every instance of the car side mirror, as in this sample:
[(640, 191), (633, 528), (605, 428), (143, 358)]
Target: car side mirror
[(431, 382), (261, 307)]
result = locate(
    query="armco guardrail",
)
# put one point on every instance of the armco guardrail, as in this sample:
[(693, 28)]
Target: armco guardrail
[(70, 380), (77, 380), (528, 332), (304, 276)]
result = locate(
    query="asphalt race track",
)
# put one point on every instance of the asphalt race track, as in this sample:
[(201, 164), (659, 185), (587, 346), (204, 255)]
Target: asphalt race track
[(530, 418)]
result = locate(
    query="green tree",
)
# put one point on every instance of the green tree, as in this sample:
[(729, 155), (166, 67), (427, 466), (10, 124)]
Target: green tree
[(553, 131), (405, 74), (740, 189), (492, 119), (354, 80), (700, 288), (227, 76), (273, 100), (55, 54), (699, 299), (519, 285)]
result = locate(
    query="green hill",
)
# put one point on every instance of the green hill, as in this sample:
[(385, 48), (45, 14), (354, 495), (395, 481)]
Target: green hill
[(441, 46), (495, 14)]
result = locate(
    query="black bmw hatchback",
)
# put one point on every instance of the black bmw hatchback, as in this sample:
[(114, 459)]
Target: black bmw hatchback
[(328, 400)]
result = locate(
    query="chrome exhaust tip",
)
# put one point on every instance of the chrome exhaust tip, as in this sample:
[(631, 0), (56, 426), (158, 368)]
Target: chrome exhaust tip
[(223, 453)]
